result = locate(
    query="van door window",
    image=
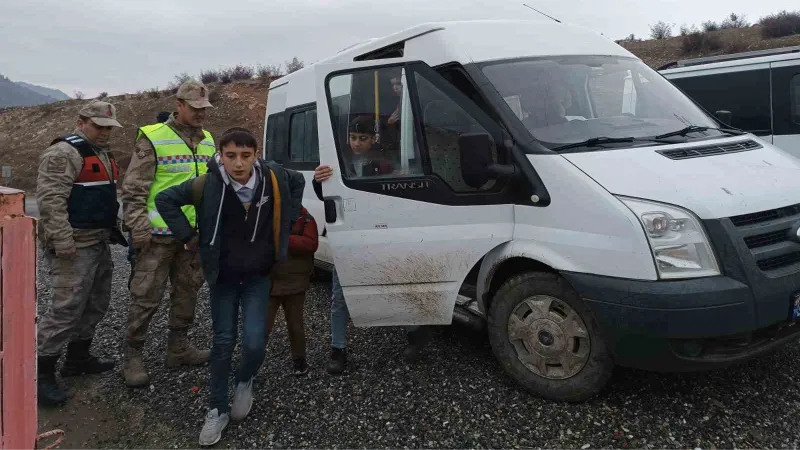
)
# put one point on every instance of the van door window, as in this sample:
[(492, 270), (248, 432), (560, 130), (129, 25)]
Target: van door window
[(374, 123), (401, 131)]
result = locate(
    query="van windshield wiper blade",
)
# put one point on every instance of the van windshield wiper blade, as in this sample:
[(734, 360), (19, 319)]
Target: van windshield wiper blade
[(595, 141), (697, 128)]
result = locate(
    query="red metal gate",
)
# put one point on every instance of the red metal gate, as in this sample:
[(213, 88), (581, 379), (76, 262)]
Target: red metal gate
[(18, 416)]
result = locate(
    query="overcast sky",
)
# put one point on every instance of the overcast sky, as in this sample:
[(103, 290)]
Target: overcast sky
[(124, 46)]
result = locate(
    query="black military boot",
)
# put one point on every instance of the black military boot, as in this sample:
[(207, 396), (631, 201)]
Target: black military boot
[(338, 361), (80, 361), (49, 393)]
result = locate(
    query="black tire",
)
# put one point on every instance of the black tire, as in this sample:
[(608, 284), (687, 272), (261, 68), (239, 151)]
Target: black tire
[(596, 369)]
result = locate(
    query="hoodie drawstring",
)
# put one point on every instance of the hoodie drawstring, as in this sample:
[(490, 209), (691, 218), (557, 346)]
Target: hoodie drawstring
[(219, 214), (260, 204)]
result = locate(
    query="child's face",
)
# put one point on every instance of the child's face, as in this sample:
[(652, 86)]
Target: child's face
[(238, 162), (397, 86), (360, 143)]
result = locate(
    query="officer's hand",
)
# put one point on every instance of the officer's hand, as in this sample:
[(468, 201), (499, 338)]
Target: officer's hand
[(67, 253), (322, 173), (193, 245), (141, 245)]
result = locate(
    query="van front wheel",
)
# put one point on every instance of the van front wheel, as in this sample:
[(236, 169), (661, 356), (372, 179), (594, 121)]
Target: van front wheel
[(546, 338)]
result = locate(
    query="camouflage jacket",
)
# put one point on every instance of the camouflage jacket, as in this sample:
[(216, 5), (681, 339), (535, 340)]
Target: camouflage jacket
[(59, 167), (139, 178)]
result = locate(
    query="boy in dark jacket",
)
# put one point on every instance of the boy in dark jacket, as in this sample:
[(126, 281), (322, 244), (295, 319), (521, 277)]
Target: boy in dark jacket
[(245, 210), (290, 280)]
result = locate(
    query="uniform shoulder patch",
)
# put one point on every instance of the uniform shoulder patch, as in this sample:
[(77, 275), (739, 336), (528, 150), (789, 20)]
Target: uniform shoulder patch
[(57, 164), (143, 151)]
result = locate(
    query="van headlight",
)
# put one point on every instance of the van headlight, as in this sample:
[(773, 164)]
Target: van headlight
[(678, 241)]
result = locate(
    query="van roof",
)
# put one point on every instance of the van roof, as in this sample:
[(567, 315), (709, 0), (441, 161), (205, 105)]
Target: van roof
[(478, 41), (732, 60)]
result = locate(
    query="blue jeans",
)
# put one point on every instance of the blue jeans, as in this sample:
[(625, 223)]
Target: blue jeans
[(339, 315), (253, 297)]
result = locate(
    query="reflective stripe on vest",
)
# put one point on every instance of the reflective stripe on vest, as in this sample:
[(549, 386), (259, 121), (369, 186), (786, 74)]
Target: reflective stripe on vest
[(175, 164)]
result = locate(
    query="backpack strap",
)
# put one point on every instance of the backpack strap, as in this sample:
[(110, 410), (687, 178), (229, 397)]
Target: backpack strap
[(197, 189)]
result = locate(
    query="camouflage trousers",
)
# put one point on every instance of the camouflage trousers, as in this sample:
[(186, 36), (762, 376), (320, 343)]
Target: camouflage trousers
[(81, 295), (165, 258)]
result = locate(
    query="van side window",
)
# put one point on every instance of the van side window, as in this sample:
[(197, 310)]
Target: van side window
[(745, 94), (303, 138), (795, 98), (444, 122), (276, 130), (379, 136), (374, 124)]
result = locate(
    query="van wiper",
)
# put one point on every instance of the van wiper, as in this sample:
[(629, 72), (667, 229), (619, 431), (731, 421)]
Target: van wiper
[(595, 141), (697, 128)]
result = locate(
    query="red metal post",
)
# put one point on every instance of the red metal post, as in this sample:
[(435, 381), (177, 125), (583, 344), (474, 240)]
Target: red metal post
[(18, 422)]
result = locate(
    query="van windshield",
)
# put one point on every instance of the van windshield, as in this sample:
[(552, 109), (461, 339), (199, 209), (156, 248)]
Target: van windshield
[(568, 99)]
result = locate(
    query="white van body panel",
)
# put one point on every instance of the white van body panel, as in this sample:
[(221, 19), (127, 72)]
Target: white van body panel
[(584, 229), (711, 187)]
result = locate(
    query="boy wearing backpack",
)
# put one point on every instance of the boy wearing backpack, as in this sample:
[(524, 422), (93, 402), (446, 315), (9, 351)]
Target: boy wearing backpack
[(246, 208), (290, 280)]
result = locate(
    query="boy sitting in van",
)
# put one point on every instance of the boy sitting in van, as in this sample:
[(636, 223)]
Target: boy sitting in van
[(245, 210), (367, 158)]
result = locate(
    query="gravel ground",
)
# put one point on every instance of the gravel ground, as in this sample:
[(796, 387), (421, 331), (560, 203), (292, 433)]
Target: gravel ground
[(456, 397)]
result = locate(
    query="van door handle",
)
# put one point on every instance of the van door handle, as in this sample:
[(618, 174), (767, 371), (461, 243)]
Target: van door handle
[(330, 211)]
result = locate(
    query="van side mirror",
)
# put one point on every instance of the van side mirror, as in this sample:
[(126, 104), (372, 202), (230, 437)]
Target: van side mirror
[(477, 163), (476, 157), (724, 117)]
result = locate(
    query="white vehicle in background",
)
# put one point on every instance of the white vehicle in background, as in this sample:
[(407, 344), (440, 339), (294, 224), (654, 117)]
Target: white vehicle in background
[(589, 220), (758, 92)]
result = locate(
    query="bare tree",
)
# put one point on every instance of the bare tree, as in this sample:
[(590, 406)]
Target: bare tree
[(734, 21), (78, 94), (267, 72), (209, 76), (294, 65), (661, 30)]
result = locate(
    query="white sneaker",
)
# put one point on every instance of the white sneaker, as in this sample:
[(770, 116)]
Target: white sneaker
[(242, 400), (212, 429)]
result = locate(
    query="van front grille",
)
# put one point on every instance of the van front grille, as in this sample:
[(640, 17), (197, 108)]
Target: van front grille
[(768, 236)]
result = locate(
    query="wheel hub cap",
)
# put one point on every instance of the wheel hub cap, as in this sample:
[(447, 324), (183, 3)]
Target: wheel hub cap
[(549, 337)]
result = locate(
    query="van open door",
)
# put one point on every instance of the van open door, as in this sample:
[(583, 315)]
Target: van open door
[(418, 210)]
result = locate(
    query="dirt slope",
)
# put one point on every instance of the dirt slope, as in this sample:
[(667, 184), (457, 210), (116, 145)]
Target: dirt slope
[(26, 132), (659, 52)]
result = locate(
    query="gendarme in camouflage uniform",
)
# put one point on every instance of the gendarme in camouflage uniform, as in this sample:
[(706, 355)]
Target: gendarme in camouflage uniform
[(76, 193), (166, 155)]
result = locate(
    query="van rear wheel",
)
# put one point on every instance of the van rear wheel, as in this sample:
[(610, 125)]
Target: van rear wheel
[(546, 339)]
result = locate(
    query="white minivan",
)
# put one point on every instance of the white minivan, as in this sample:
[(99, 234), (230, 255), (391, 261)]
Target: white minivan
[(527, 187)]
